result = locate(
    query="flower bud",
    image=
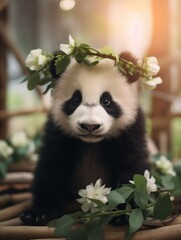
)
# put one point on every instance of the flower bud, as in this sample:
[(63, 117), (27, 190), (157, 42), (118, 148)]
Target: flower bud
[(36, 59), (68, 48), (151, 66)]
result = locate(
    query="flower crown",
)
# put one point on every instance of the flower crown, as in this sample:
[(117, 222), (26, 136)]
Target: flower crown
[(45, 68)]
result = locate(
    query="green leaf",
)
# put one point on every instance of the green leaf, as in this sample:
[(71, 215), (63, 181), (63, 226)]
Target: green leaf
[(157, 178), (61, 63), (147, 212), (163, 207), (78, 234), (176, 180), (53, 223), (115, 198), (33, 81), (135, 220), (140, 194), (44, 81), (64, 225), (98, 222), (76, 215), (125, 192), (168, 182), (121, 68), (176, 192), (128, 236), (80, 55), (25, 79), (109, 51), (89, 63), (83, 45), (96, 234), (48, 88)]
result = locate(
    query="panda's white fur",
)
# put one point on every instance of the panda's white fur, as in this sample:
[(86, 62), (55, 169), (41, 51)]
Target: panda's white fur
[(92, 82)]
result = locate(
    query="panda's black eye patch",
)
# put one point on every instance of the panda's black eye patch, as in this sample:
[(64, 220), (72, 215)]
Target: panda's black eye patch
[(70, 105), (111, 107)]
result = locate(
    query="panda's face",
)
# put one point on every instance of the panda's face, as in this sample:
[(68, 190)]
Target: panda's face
[(94, 103)]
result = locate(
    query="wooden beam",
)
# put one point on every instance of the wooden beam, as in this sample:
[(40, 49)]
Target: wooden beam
[(3, 75), (160, 47), (6, 115)]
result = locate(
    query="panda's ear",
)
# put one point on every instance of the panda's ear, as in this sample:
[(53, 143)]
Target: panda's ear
[(130, 57)]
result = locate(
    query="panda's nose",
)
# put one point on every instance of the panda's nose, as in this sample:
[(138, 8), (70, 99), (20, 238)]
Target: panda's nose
[(90, 127)]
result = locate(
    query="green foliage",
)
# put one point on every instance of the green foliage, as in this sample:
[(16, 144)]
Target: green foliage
[(96, 233), (33, 81), (163, 207), (83, 53), (26, 151), (135, 220), (62, 61), (125, 192), (63, 226), (140, 193), (115, 198), (135, 202)]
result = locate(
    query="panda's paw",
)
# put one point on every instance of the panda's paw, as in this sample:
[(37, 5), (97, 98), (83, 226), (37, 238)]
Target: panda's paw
[(36, 217)]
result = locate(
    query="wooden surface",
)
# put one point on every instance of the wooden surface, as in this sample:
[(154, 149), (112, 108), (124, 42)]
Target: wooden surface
[(15, 198), (11, 227)]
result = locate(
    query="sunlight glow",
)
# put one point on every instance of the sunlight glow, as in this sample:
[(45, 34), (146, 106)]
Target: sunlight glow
[(130, 24), (67, 5)]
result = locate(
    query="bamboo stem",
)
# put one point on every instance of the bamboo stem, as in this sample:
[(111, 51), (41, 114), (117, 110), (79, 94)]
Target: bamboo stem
[(12, 222), (25, 232), (49, 239), (22, 166), (8, 199), (163, 233), (17, 177), (14, 211)]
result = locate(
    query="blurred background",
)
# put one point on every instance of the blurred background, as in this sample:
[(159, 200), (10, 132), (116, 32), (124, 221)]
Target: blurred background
[(150, 27)]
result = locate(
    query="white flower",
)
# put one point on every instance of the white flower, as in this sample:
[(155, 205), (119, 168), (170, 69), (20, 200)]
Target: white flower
[(151, 66), (97, 192), (19, 139), (151, 83), (165, 166), (150, 185), (5, 149), (68, 48), (36, 59)]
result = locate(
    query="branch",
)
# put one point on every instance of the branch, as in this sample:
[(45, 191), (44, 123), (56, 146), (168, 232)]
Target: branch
[(12, 222), (8, 199), (14, 211), (26, 232)]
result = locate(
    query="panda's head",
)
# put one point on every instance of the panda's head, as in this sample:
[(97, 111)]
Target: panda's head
[(94, 103)]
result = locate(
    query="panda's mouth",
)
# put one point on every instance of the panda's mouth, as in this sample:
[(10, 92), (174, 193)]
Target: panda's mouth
[(91, 137)]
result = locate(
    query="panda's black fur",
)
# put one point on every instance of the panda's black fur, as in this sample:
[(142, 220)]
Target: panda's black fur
[(67, 163)]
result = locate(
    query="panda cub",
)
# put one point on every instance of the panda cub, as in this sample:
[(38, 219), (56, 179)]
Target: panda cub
[(95, 130)]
